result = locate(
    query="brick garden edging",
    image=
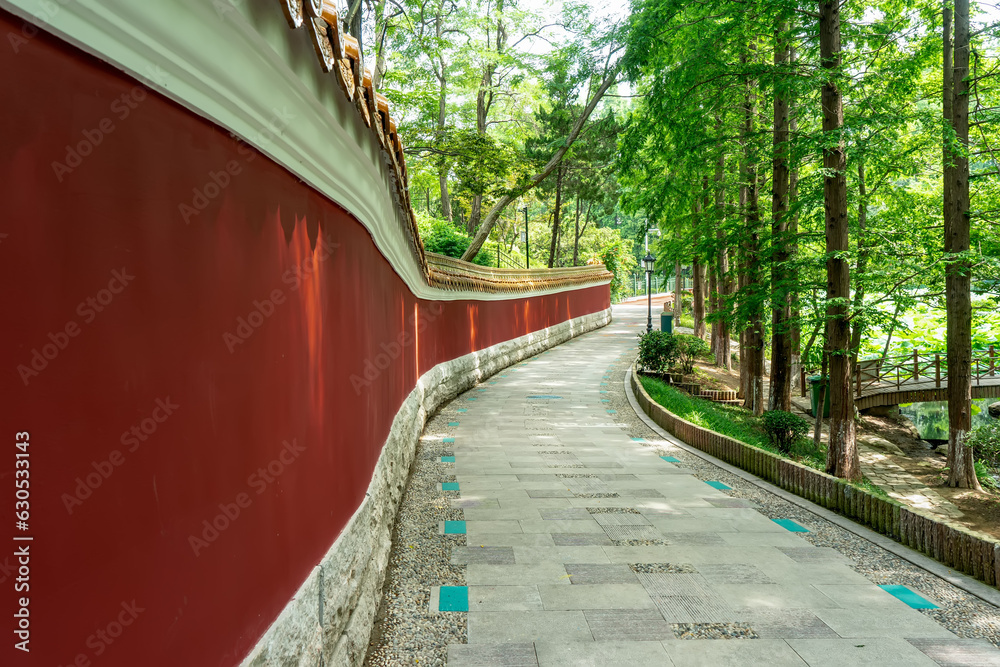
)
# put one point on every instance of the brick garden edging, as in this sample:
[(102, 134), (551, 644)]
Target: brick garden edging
[(972, 553)]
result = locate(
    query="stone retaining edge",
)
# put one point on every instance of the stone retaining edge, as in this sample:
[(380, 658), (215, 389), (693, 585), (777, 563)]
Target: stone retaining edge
[(330, 618), (968, 552)]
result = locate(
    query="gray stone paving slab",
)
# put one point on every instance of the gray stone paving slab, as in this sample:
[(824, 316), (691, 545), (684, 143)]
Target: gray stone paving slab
[(549, 493), (778, 596), (693, 609), (475, 527), (784, 539), (600, 573), (736, 573), (587, 525), (883, 652), (632, 532), (674, 584), (482, 574), (510, 540), (733, 653), (601, 654), (786, 623), (504, 598), (495, 627), (580, 539), (492, 655), (568, 513), (477, 554), (608, 519), (558, 554), (511, 514), (958, 652), (595, 596), (909, 624), (864, 595), (810, 554), (628, 625)]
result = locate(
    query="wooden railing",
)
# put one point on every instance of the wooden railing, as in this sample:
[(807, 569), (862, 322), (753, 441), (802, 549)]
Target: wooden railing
[(917, 367)]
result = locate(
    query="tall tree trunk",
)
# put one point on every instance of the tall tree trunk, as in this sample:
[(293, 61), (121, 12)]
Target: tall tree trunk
[(752, 349), (723, 351), (962, 472), (697, 271), (678, 293), (842, 459), (442, 117), (821, 400), (576, 233), (554, 241), (858, 323), (795, 328), (780, 390), (713, 307)]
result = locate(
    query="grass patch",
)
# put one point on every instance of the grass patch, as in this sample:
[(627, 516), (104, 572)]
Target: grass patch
[(739, 424), (729, 420), (867, 485)]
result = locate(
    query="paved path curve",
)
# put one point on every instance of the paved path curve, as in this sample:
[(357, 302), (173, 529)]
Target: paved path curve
[(570, 534)]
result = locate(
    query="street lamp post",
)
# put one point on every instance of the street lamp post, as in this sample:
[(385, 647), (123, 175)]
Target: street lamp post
[(527, 258), (649, 261)]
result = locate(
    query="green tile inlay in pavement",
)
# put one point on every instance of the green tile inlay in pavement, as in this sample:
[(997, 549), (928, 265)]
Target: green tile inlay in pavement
[(472, 399), (454, 527), (638, 440), (447, 459), (612, 412), (544, 396), (604, 384), (909, 597), (449, 486), (669, 459), (461, 410), (791, 525), (452, 423), (453, 598), (449, 440), (719, 485)]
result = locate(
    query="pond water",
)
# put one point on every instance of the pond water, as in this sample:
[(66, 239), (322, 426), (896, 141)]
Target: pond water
[(931, 417)]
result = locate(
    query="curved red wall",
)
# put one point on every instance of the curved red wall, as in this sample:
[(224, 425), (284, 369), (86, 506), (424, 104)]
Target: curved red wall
[(110, 227)]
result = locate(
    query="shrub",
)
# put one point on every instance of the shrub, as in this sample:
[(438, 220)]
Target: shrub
[(984, 476), (689, 348), (783, 428), (657, 351), (985, 443)]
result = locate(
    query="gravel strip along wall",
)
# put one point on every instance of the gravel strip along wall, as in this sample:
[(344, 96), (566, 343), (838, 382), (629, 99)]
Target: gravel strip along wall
[(972, 553), (965, 614), (330, 619)]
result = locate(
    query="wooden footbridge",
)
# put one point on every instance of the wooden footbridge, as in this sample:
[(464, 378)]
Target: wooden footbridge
[(917, 377)]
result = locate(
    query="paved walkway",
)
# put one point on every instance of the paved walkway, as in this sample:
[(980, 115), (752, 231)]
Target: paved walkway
[(584, 539)]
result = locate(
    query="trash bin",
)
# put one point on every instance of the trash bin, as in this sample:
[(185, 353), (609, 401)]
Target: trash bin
[(667, 322), (815, 383)]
